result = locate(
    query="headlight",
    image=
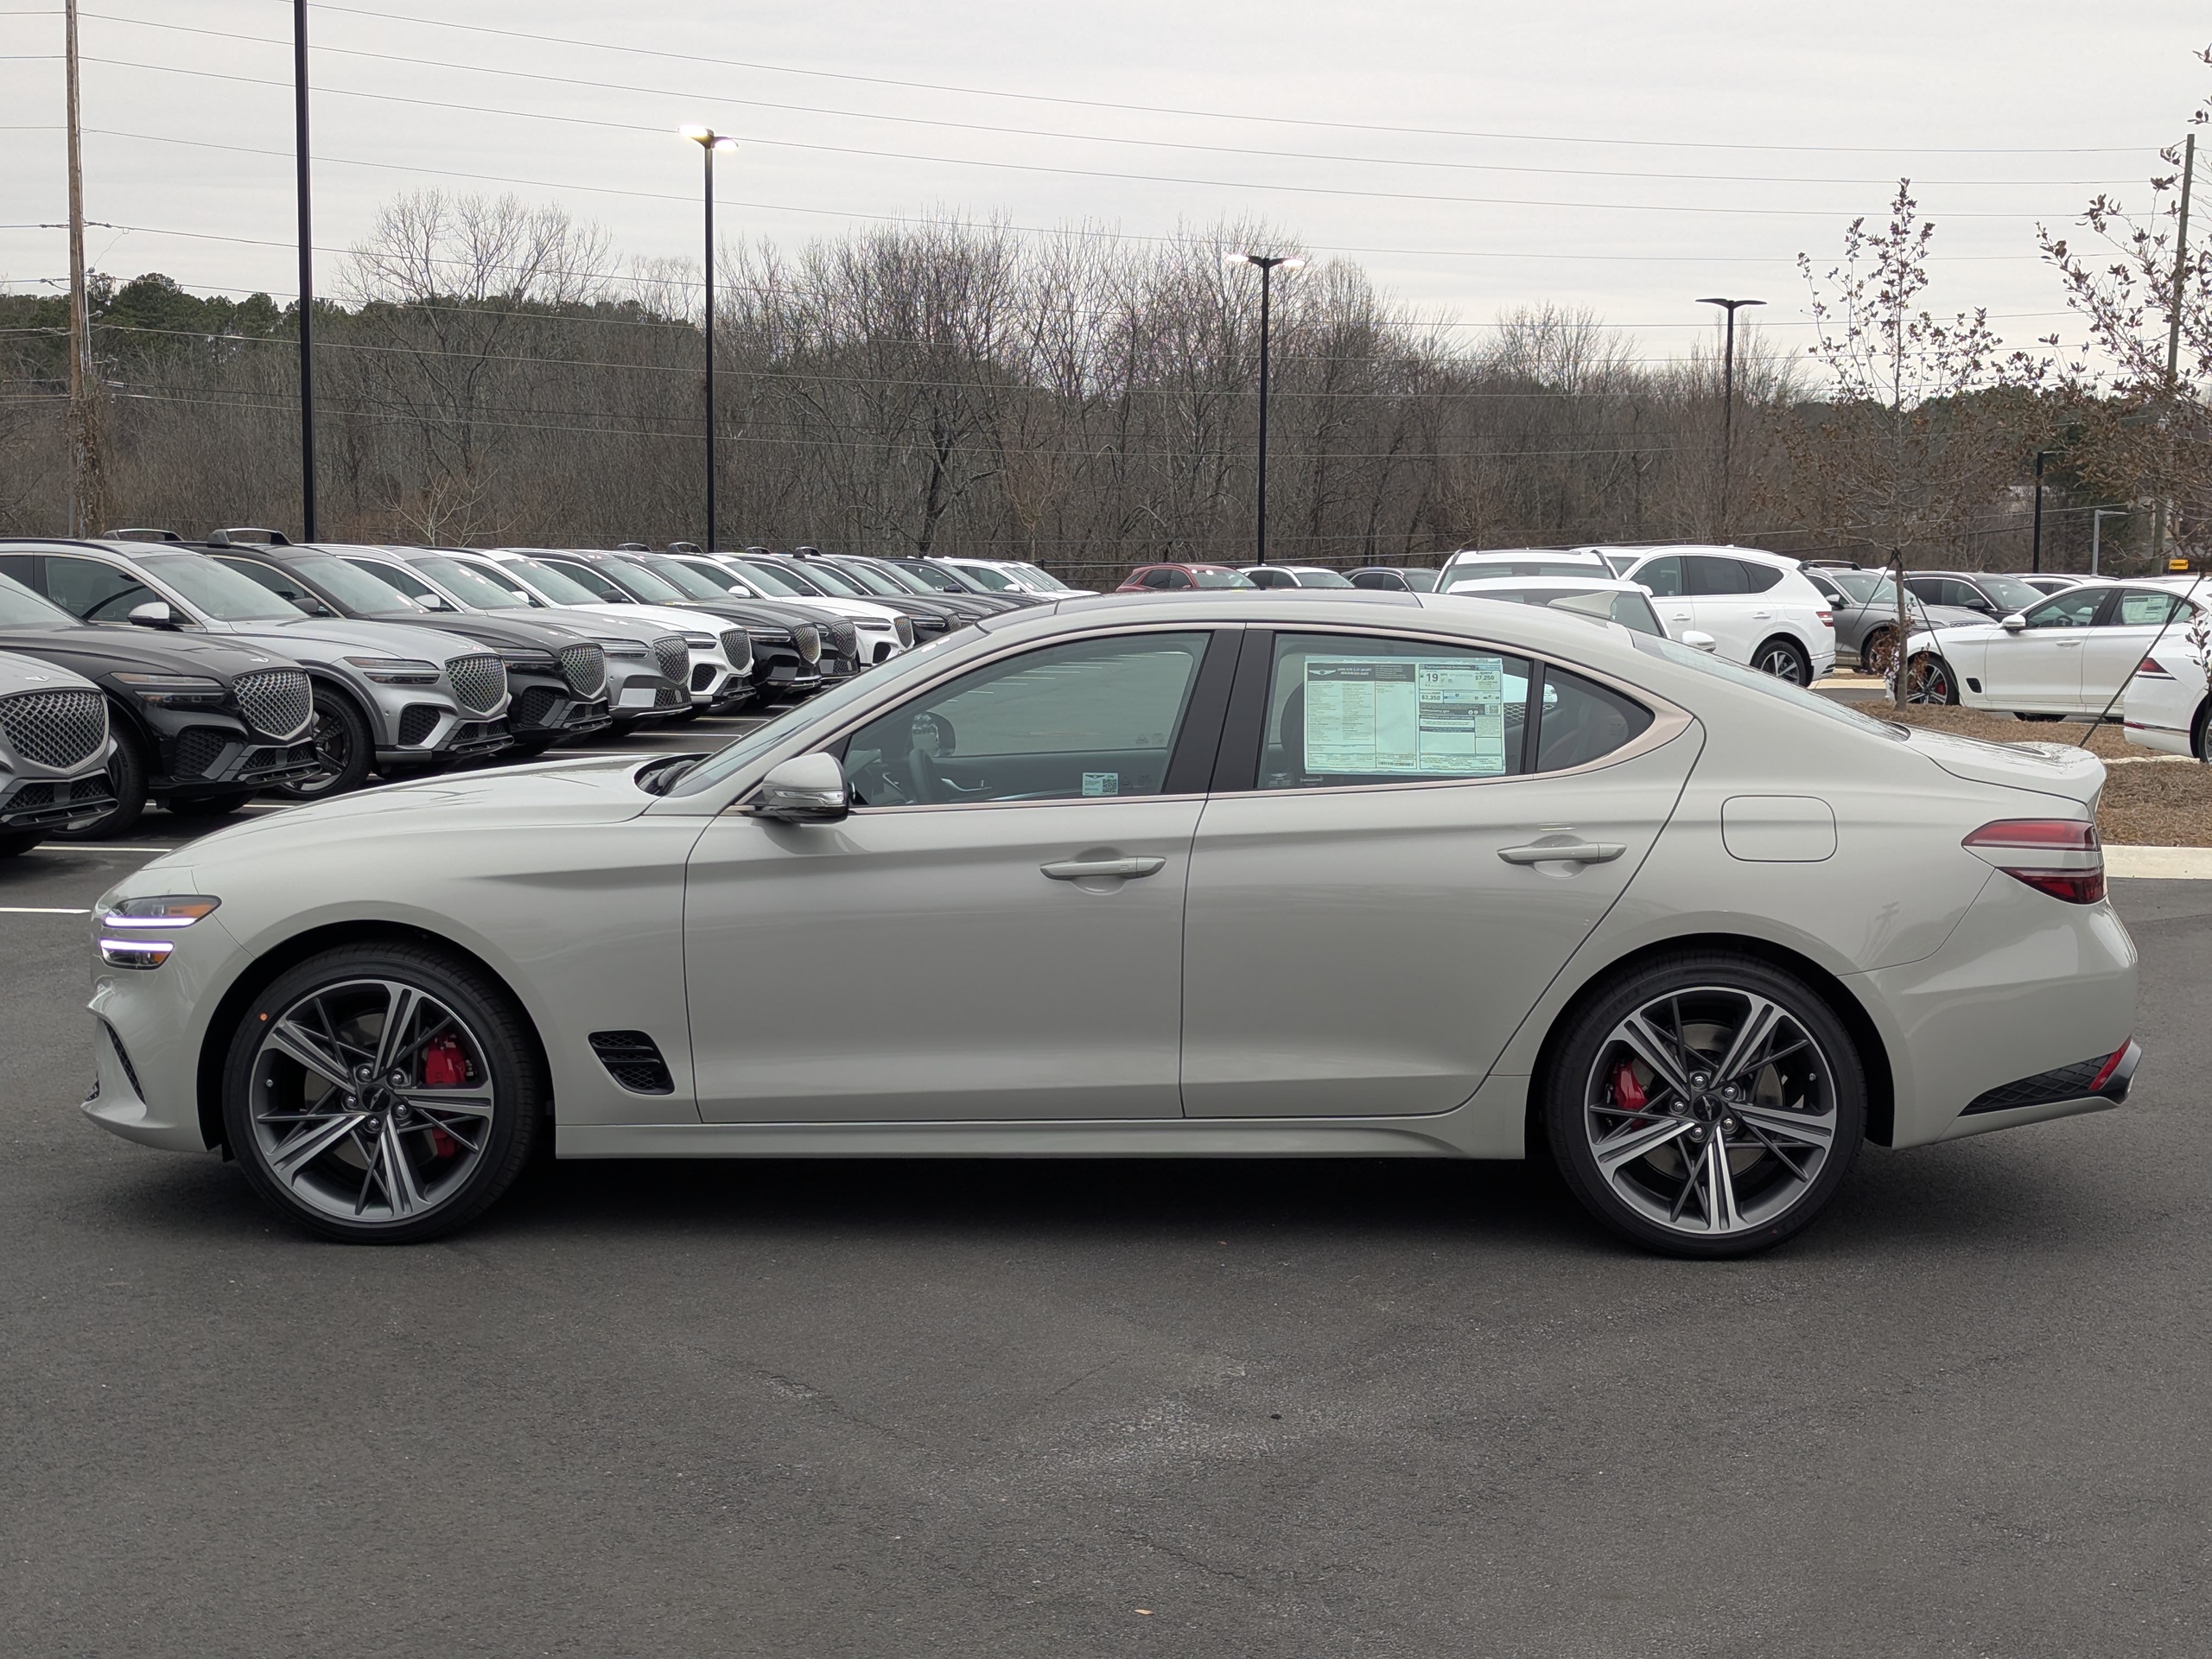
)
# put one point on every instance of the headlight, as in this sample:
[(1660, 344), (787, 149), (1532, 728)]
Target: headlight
[(397, 670), (174, 690), (121, 946)]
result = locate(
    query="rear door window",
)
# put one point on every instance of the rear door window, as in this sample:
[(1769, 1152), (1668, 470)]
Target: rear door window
[(2144, 608), (1705, 575)]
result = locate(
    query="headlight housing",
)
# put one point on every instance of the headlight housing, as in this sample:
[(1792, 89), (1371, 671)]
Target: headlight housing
[(134, 934), (395, 671), (174, 690)]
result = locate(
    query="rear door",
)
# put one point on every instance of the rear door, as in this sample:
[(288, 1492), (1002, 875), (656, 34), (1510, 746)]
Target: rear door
[(1371, 912), (2132, 620)]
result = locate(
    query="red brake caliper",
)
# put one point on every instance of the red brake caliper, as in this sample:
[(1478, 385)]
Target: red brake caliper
[(444, 1066), (1628, 1093)]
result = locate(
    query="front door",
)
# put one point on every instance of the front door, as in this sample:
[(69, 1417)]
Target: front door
[(2038, 670), (995, 932), (1371, 912), (1663, 576)]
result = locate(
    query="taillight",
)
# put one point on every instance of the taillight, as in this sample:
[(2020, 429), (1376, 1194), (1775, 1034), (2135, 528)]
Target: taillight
[(2060, 856), (1828, 618), (2151, 669)]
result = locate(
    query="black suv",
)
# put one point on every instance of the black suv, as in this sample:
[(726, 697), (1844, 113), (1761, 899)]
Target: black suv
[(200, 726), (556, 677), (1996, 597)]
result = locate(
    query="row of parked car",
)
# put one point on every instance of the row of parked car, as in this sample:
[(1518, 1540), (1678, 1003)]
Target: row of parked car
[(144, 668)]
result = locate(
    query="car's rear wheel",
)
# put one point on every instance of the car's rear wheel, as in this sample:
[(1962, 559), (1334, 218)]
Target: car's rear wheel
[(1928, 678), (211, 806), (1877, 649), (342, 745), (1785, 659), (14, 843), (381, 1094), (1706, 1105)]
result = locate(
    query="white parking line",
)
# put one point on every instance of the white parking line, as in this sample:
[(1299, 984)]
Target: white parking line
[(41, 910)]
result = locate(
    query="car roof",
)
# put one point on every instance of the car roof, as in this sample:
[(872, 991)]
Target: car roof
[(1547, 584)]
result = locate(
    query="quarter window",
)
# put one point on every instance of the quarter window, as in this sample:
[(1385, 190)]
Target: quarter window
[(1093, 717), (1757, 578)]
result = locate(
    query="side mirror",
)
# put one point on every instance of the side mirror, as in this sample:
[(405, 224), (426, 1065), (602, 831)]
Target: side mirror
[(1697, 640), (805, 789), (2014, 623), (153, 614)]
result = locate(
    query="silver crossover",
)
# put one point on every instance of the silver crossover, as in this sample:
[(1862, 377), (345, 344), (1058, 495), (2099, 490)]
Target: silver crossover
[(1243, 874), (55, 745)]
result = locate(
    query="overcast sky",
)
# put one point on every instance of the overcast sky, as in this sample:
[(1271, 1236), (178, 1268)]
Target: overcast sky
[(1617, 154)]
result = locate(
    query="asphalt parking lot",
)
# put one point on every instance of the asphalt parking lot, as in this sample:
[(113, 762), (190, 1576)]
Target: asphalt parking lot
[(890, 1409)]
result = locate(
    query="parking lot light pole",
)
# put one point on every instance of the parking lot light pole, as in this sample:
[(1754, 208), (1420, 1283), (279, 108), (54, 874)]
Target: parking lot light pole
[(306, 203), (709, 141), (1269, 264), (2035, 540), (1728, 400)]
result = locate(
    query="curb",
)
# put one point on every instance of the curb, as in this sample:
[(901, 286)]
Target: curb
[(2159, 863)]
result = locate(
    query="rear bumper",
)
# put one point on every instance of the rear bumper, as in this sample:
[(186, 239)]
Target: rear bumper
[(2092, 1085)]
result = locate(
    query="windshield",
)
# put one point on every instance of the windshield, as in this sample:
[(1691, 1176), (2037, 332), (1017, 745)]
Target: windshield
[(1618, 562), (217, 590), (1766, 684), (928, 578), (559, 587), (354, 588), (682, 577), (1322, 579), (472, 586), (831, 580), (22, 608), (741, 753), (997, 580), (641, 583), (1472, 570), (775, 582), (2010, 594), (1043, 580), (1864, 587), (874, 580), (1221, 579)]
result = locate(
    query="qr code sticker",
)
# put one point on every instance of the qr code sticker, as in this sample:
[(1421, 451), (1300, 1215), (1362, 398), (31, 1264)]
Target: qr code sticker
[(1102, 783)]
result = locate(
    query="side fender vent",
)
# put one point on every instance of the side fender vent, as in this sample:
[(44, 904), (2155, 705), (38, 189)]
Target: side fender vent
[(634, 1060)]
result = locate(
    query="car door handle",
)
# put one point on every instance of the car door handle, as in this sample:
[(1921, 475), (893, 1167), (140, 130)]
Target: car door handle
[(1761, 616), (2068, 644), (1094, 869), (1565, 852)]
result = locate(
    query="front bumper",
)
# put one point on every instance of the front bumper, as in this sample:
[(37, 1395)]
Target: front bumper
[(210, 760), (55, 803), (451, 737)]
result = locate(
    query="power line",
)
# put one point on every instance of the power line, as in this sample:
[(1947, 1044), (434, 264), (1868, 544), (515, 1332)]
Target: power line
[(762, 141), (1220, 115), (602, 84)]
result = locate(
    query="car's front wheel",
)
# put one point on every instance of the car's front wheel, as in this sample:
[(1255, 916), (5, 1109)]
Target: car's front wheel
[(343, 746), (1706, 1105), (1928, 679), (382, 1093), (126, 781)]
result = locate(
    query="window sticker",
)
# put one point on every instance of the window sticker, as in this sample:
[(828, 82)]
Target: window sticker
[(1373, 716), (1102, 783)]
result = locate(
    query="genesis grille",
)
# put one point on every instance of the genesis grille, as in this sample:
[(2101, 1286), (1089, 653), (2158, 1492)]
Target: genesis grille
[(584, 667), (634, 1060), (54, 728), (737, 646), (808, 638), (846, 638), (277, 701), (674, 657), (479, 682), (903, 627)]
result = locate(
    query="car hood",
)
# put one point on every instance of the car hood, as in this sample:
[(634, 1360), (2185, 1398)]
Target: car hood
[(598, 791), (1942, 616), (97, 650), (513, 634), (2049, 768), (327, 636)]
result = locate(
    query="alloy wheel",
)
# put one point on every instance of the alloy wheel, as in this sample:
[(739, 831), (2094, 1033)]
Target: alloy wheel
[(1784, 663), (372, 1100), (1711, 1111), (1928, 679)]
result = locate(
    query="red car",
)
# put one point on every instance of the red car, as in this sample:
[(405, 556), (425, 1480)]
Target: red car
[(1182, 578)]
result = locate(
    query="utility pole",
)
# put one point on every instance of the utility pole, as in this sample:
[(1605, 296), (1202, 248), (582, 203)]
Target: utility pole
[(85, 505), (1728, 403), (709, 141), (306, 268), (2173, 335)]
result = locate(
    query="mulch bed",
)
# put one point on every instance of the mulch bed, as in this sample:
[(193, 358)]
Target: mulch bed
[(2144, 805)]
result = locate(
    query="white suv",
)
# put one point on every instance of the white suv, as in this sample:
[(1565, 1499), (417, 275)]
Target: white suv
[(1757, 606)]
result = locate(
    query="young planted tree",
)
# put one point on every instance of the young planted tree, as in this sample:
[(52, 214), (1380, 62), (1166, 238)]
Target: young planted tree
[(1922, 426)]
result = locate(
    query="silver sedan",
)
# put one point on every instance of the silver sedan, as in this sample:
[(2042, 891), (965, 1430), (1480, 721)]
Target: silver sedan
[(1231, 875)]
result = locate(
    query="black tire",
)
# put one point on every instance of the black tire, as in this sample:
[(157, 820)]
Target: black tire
[(1584, 1102), (15, 842), (498, 1047), (1928, 679), (126, 780), (343, 743), (532, 746), (1785, 659), (2200, 735), (1875, 650), (210, 806), (685, 716), (2038, 719)]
